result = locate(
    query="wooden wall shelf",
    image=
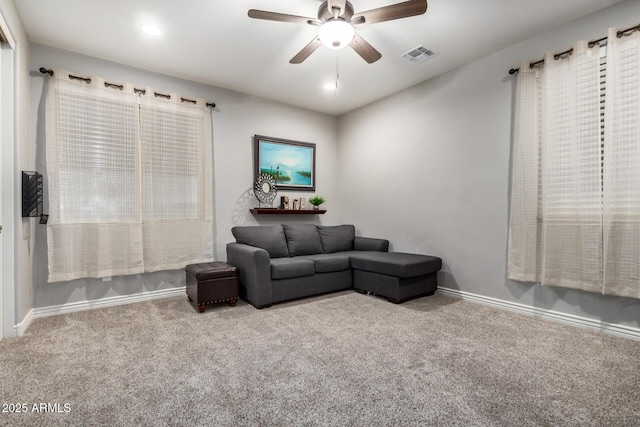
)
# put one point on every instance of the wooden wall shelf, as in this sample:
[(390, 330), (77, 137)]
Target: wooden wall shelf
[(275, 211)]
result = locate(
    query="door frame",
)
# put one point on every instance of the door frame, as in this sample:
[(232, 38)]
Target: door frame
[(9, 104)]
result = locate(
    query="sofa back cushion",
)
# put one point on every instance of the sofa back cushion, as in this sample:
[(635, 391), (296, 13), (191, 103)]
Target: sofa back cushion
[(268, 237), (302, 239), (336, 238)]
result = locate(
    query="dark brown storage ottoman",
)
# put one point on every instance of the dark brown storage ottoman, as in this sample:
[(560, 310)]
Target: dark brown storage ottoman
[(212, 282)]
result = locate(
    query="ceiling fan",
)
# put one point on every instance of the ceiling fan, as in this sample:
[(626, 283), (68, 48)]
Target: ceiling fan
[(337, 22)]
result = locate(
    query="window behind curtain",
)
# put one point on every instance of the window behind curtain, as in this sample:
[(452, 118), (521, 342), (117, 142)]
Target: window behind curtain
[(96, 154), (171, 171), (129, 180)]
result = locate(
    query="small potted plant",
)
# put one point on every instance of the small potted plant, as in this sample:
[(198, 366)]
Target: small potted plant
[(316, 201)]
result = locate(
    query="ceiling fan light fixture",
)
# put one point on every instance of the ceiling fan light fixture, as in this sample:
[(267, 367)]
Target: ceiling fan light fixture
[(336, 33)]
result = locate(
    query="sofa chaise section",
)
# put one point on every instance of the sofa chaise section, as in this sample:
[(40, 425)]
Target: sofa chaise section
[(397, 276)]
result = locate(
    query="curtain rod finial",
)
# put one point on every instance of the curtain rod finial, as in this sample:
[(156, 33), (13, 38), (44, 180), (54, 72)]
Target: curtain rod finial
[(514, 70), (45, 71)]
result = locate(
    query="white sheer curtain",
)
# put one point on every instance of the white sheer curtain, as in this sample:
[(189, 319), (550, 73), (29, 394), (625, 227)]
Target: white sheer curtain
[(525, 226), (622, 167), (176, 182), (129, 180), (555, 230), (571, 185), (94, 185)]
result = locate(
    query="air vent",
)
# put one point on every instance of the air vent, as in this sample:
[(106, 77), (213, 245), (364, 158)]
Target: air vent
[(418, 55)]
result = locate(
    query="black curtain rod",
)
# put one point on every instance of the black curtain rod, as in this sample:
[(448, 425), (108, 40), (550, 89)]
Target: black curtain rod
[(121, 87), (592, 43)]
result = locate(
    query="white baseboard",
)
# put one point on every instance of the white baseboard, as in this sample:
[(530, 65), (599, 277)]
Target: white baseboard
[(609, 328), (21, 327), (106, 302)]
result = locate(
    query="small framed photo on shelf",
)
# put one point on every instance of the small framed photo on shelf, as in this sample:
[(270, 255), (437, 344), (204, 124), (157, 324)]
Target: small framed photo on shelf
[(284, 202)]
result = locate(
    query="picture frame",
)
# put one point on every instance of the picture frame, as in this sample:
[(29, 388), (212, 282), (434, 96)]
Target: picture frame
[(291, 163)]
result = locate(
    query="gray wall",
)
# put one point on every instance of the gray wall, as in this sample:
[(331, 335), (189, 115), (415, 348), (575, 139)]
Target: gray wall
[(429, 169), (236, 119)]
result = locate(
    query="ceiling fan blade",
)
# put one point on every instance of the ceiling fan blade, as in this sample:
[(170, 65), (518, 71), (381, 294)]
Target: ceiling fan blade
[(364, 49), (340, 4), (306, 51), (281, 17), (394, 11)]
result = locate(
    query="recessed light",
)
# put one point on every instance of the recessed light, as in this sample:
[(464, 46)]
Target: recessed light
[(330, 86), (152, 30)]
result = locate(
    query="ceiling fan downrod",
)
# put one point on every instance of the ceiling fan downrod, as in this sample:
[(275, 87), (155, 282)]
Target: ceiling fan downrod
[(335, 12)]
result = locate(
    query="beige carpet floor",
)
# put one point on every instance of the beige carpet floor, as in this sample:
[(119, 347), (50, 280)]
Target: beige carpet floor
[(343, 359)]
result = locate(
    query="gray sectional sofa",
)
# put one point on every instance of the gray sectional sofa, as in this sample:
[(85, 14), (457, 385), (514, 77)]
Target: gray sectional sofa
[(284, 262)]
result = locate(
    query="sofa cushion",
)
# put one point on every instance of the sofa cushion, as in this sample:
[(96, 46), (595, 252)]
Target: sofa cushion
[(396, 264), (370, 244), (302, 239), (286, 268), (328, 263), (336, 238), (268, 237)]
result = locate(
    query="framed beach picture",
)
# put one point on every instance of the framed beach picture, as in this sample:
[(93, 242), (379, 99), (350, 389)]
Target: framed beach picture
[(291, 163)]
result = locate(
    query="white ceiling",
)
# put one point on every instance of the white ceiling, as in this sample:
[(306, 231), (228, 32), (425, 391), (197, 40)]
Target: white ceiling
[(215, 42)]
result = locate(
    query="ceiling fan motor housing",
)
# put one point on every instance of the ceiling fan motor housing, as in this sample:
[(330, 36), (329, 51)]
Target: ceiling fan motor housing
[(324, 14)]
